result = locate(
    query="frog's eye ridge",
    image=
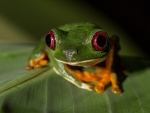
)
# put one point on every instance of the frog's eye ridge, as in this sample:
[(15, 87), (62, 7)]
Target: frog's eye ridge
[(99, 40), (50, 40)]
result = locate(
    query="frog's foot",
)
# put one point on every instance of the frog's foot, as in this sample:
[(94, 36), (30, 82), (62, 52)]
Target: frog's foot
[(105, 78), (99, 89), (42, 60), (115, 87), (116, 90)]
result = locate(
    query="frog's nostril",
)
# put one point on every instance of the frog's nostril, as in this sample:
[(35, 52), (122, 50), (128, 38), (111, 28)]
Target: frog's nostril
[(77, 51)]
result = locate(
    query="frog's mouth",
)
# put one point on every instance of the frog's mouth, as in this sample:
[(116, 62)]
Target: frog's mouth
[(85, 63)]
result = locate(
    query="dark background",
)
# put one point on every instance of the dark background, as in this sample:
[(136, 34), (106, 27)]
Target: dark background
[(37, 17), (134, 16)]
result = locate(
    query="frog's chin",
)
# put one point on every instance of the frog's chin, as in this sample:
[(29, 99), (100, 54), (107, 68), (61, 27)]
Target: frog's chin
[(85, 63)]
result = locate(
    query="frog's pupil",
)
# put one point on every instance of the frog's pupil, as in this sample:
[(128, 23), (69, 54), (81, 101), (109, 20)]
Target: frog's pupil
[(101, 41), (48, 40)]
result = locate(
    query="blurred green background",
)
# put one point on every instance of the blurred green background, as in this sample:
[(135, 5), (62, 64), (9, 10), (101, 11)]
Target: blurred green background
[(26, 21)]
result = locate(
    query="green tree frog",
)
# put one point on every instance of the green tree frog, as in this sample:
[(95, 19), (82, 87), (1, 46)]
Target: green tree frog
[(73, 48)]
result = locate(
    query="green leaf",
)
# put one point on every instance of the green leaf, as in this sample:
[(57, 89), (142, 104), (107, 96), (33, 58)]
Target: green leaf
[(43, 91)]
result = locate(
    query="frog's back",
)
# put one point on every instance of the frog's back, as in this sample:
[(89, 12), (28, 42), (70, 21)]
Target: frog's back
[(73, 26)]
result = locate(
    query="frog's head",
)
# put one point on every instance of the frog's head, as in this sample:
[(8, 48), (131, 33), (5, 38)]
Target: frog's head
[(78, 44)]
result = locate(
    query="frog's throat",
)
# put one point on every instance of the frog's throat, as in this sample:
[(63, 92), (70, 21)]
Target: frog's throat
[(85, 63)]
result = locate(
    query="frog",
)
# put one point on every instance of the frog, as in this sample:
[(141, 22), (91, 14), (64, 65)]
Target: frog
[(80, 45)]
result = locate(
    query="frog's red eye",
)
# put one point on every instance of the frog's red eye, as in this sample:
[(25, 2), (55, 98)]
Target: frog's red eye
[(99, 40), (50, 40)]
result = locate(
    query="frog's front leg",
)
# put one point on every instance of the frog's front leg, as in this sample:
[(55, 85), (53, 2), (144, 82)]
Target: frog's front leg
[(106, 74), (40, 61), (109, 62), (39, 56), (114, 82)]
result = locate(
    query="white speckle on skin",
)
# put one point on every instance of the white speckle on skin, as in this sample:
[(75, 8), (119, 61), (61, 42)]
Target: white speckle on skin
[(69, 54), (59, 41), (37, 55), (86, 42)]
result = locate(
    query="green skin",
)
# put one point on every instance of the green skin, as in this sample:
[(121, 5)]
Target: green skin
[(73, 47)]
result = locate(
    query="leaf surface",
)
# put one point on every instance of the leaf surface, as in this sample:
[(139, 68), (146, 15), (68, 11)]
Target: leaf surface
[(43, 91)]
